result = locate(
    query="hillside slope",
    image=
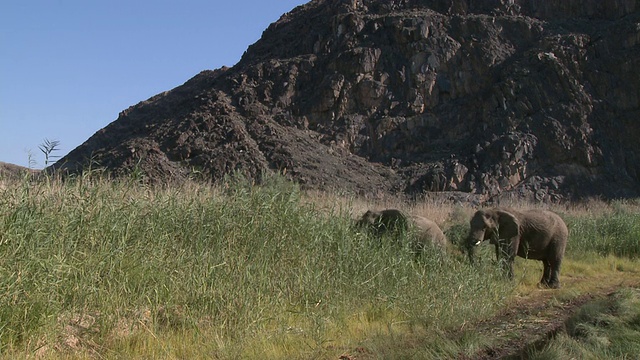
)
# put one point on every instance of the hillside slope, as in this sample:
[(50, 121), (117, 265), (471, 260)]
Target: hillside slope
[(534, 98)]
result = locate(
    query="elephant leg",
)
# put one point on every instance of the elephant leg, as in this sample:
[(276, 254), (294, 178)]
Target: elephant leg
[(417, 248), (546, 274), (554, 281), (511, 250), (508, 259), (503, 255), (510, 271)]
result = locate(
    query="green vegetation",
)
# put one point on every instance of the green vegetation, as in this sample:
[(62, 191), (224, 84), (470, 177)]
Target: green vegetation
[(605, 329), (615, 232), (96, 268)]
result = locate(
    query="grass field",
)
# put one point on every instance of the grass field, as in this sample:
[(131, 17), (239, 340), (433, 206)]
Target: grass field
[(604, 329), (98, 269)]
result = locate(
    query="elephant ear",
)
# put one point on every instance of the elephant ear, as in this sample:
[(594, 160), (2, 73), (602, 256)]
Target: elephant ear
[(509, 225)]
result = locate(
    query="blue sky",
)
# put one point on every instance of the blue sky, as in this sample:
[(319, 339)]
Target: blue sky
[(68, 67)]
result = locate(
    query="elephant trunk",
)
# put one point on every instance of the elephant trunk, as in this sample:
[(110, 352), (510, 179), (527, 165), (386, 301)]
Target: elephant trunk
[(471, 245)]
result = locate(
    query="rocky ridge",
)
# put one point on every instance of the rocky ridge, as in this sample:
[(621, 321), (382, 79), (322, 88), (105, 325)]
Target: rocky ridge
[(521, 98)]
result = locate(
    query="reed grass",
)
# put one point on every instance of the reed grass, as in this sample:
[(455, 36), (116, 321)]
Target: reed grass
[(615, 232), (96, 268)]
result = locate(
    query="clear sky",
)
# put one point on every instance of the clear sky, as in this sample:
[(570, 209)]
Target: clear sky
[(68, 67)]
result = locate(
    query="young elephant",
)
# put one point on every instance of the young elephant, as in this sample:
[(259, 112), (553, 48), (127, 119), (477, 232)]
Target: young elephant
[(392, 221), (531, 234)]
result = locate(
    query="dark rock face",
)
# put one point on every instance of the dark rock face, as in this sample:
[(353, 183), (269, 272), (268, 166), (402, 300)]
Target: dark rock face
[(536, 98)]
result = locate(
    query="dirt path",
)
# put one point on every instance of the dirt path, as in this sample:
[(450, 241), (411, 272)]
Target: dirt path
[(532, 320)]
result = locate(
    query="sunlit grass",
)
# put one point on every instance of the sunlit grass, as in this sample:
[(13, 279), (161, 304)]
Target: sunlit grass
[(96, 268), (605, 329), (245, 264)]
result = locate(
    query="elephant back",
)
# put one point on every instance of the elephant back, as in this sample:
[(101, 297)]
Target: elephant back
[(428, 230)]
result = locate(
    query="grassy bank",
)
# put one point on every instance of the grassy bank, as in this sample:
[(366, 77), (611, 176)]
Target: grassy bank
[(605, 329), (92, 268)]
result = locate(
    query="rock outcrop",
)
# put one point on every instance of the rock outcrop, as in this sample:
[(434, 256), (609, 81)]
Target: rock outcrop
[(528, 97)]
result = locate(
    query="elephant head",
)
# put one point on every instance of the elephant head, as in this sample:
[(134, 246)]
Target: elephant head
[(385, 221), (492, 225)]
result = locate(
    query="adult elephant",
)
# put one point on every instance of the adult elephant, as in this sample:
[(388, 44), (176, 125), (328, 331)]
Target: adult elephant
[(531, 234), (395, 222)]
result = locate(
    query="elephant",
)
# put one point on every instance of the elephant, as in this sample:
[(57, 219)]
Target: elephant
[(395, 222), (531, 234)]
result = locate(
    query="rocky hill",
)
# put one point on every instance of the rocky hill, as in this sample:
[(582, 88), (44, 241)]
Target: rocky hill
[(528, 97)]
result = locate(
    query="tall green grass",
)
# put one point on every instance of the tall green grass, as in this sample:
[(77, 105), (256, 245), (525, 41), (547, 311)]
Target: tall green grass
[(615, 232), (102, 268), (105, 267)]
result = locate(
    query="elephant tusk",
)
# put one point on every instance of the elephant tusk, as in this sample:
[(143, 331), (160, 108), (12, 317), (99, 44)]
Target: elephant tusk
[(477, 243)]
